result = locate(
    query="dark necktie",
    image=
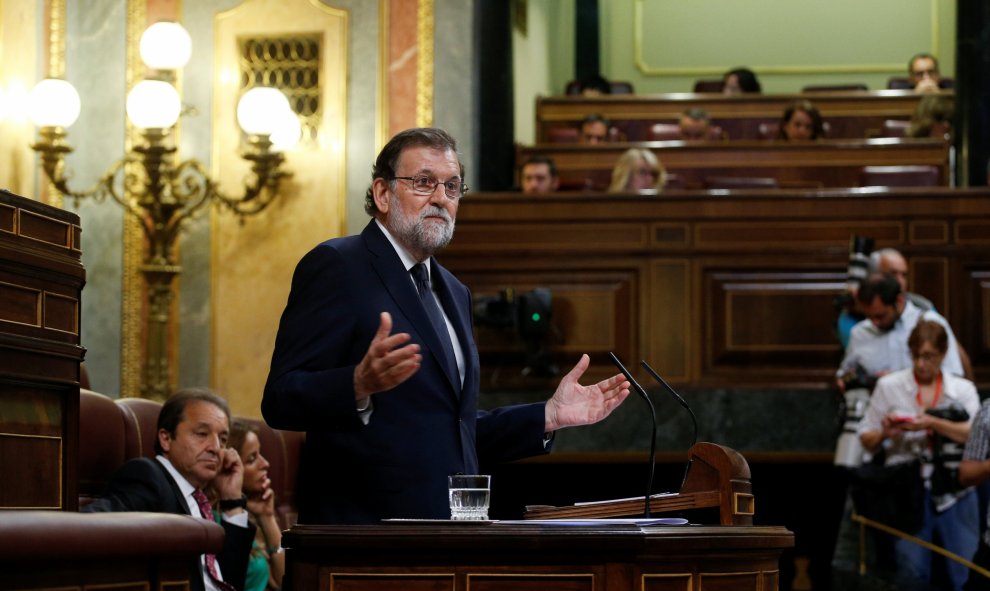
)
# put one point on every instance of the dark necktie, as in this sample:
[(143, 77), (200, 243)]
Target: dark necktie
[(436, 316), (211, 560)]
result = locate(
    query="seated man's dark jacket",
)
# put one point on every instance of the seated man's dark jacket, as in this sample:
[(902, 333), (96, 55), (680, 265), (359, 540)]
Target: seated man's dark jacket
[(143, 484)]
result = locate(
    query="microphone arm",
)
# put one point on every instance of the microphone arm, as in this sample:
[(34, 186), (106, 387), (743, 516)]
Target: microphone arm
[(653, 441), (663, 382), (694, 419)]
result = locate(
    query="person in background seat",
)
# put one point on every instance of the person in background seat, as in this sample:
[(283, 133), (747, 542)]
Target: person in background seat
[(638, 170), (594, 130), (740, 81), (267, 562), (923, 73), (801, 121), (538, 175)]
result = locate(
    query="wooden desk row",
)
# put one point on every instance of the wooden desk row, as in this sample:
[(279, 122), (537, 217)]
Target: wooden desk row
[(849, 114), (821, 164), (733, 289)]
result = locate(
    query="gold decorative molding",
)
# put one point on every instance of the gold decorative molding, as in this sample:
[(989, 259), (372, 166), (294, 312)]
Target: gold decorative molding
[(56, 69), (381, 121), (886, 68), (56, 39), (424, 63), (132, 247)]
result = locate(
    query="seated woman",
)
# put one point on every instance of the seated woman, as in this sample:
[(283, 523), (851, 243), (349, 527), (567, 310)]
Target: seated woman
[(739, 81), (924, 413), (267, 562), (801, 121), (638, 170), (933, 117)]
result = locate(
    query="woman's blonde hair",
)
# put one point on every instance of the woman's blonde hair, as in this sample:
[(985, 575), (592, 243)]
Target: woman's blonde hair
[(628, 162)]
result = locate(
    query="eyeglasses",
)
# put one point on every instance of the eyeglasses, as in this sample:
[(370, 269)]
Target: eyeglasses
[(926, 357), (454, 189)]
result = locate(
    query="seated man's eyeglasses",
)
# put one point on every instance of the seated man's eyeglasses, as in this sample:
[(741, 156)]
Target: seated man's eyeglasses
[(425, 185)]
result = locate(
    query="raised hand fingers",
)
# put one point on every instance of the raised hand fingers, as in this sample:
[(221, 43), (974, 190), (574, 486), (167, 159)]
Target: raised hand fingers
[(388, 362)]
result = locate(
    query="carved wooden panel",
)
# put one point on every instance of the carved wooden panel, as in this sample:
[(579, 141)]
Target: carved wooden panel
[(343, 581), (775, 322), (667, 324), (550, 237), (777, 234), (929, 276), (593, 311), (668, 582), (974, 329), (518, 581), (41, 278)]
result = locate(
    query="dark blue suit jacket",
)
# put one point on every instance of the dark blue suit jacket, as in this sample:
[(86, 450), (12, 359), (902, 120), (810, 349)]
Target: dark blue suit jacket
[(421, 431), (143, 484)]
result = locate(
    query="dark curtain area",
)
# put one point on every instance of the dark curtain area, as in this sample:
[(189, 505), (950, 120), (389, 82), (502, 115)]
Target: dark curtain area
[(586, 64), (495, 148), (972, 92)]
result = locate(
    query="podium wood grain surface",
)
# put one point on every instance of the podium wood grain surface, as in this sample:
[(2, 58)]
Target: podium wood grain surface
[(500, 556)]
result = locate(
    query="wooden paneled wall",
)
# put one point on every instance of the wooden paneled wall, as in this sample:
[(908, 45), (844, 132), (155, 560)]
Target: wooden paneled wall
[(716, 290)]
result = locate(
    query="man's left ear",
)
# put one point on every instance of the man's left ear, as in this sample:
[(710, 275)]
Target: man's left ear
[(379, 191), (164, 440)]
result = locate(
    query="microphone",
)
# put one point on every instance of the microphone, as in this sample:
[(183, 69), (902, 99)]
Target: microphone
[(653, 442), (694, 419)]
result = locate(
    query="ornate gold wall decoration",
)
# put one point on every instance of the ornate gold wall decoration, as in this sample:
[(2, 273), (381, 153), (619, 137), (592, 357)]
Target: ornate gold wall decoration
[(56, 69), (132, 284), (424, 64), (290, 63), (252, 263)]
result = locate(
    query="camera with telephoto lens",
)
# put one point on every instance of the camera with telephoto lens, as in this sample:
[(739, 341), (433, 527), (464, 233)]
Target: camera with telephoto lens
[(946, 453), (859, 383), (857, 271), (860, 248)]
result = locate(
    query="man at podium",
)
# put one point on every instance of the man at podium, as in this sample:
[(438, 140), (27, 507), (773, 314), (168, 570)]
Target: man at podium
[(375, 357)]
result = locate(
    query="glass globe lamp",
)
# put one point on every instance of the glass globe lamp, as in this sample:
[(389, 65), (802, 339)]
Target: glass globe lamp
[(53, 103)]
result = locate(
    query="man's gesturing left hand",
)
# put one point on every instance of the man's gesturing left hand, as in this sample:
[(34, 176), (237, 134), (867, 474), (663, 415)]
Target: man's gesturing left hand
[(573, 404)]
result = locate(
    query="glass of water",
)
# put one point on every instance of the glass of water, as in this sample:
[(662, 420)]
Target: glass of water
[(469, 496)]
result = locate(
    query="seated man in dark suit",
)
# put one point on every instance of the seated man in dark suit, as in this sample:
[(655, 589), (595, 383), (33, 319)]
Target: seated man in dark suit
[(191, 456)]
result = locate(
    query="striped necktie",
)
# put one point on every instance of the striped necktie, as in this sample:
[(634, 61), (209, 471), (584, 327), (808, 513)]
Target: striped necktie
[(211, 560)]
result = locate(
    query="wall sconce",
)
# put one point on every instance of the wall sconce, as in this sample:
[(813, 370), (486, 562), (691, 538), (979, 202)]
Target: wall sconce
[(160, 193)]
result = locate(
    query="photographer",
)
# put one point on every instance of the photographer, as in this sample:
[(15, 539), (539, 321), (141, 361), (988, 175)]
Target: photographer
[(974, 470), (918, 413)]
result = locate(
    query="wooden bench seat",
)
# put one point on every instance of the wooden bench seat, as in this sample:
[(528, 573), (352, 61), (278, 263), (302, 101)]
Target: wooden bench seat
[(821, 164)]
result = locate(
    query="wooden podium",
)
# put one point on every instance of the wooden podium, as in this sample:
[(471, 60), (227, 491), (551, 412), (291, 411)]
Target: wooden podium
[(578, 552), (717, 477), (502, 556)]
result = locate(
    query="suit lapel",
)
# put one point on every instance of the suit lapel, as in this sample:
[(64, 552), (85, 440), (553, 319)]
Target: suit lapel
[(459, 317), (180, 500), (396, 280)]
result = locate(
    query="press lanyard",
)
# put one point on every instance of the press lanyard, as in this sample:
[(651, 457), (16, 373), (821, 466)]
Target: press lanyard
[(938, 392)]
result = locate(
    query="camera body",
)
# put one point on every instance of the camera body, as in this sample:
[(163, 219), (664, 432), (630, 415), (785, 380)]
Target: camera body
[(946, 453), (848, 449), (860, 248)]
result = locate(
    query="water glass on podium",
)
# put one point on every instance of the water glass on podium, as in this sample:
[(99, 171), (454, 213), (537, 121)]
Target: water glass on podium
[(469, 496)]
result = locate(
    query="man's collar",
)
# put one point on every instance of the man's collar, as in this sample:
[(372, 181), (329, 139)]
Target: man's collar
[(408, 260), (184, 486)]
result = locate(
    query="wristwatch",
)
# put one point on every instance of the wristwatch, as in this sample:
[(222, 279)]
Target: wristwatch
[(229, 504)]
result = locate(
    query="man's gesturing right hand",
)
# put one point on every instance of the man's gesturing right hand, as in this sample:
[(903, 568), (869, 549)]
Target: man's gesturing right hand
[(388, 362)]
